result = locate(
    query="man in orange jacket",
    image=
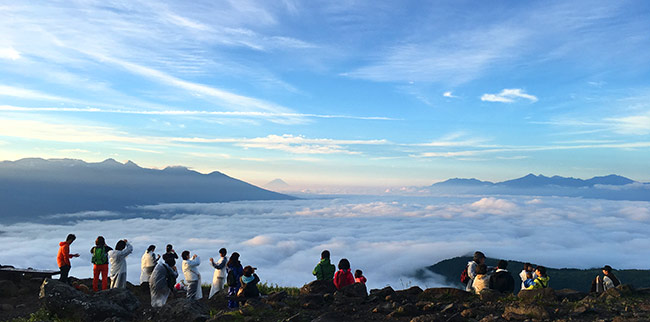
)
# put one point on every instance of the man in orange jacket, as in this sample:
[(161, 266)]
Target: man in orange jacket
[(63, 257)]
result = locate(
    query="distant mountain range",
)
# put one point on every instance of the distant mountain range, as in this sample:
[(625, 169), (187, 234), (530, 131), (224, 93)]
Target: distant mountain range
[(612, 187), (30, 188), (576, 279), (277, 185), (533, 181)]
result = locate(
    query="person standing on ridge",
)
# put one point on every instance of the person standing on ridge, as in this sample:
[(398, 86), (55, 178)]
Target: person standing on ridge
[(100, 263), (63, 257), (219, 277), (147, 264), (324, 270), (192, 275), (117, 260), (235, 272), (170, 253), (161, 282)]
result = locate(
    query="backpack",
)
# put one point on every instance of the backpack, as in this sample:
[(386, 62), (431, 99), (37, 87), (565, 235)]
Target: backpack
[(464, 276), (100, 256), (231, 278)]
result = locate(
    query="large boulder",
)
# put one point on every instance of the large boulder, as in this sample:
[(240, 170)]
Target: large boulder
[(444, 294), (381, 294), (8, 289), (69, 303), (526, 310), (183, 310), (354, 290), (540, 294), (318, 287)]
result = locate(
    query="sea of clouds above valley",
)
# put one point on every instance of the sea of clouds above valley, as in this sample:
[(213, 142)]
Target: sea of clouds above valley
[(388, 237)]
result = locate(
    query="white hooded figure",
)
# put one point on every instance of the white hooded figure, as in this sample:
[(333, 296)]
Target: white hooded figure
[(161, 283), (147, 264), (117, 261), (192, 275), (219, 277)]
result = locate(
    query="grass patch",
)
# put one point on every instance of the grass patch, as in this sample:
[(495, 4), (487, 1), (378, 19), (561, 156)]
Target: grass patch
[(267, 288), (41, 315)]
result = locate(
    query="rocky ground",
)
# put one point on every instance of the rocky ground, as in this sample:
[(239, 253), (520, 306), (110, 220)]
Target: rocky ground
[(318, 301)]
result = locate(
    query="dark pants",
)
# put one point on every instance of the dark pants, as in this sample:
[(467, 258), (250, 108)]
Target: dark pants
[(233, 302), (65, 269)]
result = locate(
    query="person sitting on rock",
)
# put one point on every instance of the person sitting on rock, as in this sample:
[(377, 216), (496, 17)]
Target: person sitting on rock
[(530, 280), (234, 272), (343, 277), (359, 278), (501, 280), (192, 275), (117, 260), (541, 281), (248, 283), (324, 270), (528, 268), (63, 257), (608, 281), (479, 258), (161, 281), (100, 262), (481, 280)]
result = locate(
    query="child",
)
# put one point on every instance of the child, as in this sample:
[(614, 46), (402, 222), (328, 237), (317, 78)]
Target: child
[(343, 277), (359, 278), (541, 281), (529, 281)]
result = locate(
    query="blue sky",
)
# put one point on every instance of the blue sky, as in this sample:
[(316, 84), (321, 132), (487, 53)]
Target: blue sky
[(331, 93)]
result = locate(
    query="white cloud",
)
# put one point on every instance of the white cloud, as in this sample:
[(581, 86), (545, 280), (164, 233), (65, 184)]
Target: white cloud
[(449, 95), (508, 95), (284, 238), (19, 92), (635, 125), (9, 53)]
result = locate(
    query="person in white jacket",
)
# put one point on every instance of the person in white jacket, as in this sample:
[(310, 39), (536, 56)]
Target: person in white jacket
[(192, 275), (219, 277), (147, 263), (528, 267), (117, 261), (479, 258), (161, 282)]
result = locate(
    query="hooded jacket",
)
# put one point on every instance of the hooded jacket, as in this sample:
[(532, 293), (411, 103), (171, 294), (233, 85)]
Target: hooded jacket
[(540, 282), (324, 270), (343, 278), (63, 256), (117, 259), (191, 269)]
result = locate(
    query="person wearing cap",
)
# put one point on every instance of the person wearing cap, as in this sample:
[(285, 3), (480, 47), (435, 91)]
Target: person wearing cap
[(605, 283)]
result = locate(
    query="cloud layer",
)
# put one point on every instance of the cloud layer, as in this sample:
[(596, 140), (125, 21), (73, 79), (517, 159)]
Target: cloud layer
[(387, 237)]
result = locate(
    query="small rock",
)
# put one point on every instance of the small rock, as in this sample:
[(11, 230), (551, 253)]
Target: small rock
[(447, 308), (489, 295), (468, 313), (312, 301), (426, 318), (569, 294), (490, 318), (383, 292), (385, 307), (510, 316), (276, 297), (404, 310)]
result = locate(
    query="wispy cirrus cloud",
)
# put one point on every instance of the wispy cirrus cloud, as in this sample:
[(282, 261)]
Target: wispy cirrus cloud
[(509, 95)]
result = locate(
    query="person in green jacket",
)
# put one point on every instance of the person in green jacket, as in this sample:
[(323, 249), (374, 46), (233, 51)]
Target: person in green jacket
[(324, 270), (541, 281)]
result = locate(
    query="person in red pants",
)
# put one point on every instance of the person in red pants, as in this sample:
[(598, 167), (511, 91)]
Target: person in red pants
[(100, 263)]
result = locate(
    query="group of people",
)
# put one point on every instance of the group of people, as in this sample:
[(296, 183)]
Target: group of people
[(160, 276), (325, 271), (477, 277)]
